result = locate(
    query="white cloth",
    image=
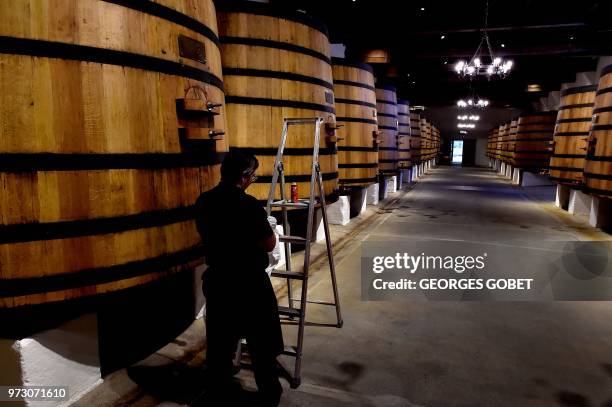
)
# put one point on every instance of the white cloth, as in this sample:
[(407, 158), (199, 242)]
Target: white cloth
[(274, 257)]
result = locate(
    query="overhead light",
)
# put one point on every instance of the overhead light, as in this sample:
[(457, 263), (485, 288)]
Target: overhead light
[(462, 132), (445, 62), (442, 37), (422, 8), (534, 87), (480, 103), (503, 45), (466, 125), (572, 37), (496, 67), (473, 118)]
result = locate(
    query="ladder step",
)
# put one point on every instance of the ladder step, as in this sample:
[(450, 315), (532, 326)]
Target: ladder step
[(288, 274), (289, 312), (292, 239), (302, 203), (290, 351)]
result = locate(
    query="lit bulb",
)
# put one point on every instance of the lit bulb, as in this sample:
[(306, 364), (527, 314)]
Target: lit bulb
[(470, 102), (497, 61), (490, 70), (459, 66), (477, 62), (470, 70)]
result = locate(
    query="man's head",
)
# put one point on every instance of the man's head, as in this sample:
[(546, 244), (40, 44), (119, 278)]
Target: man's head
[(239, 169)]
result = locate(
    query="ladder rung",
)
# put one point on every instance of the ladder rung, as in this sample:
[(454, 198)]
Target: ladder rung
[(288, 274), (292, 239), (301, 120), (290, 351), (288, 204), (315, 302), (289, 312)]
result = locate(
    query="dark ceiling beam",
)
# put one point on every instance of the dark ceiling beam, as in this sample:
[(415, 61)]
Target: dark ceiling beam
[(538, 51), (494, 29)]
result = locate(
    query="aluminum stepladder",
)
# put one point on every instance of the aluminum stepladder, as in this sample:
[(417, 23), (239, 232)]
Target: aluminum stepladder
[(291, 313)]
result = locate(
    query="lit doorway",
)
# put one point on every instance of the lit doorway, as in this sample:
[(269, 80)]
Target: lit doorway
[(457, 154)]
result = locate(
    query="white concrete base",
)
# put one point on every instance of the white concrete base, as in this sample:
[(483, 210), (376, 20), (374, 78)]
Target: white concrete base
[(415, 172), (406, 176), (320, 235), (392, 184), (372, 194), (399, 180), (498, 165), (562, 196), (508, 172), (339, 213), (358, 201), (422, 169), (531, 179), (502, 168), (383, 190), (600, 215), (66, 356), (579, 203), (517, 175)]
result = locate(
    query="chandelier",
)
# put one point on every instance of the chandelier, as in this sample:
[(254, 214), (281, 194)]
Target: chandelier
[(472, 118), (497, 67), (466, 125), (471, 102)]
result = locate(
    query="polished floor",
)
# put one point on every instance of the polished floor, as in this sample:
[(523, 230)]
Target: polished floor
[(459, 353)]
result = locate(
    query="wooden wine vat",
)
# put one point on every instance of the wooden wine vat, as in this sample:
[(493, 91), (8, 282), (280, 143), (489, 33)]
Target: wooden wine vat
[(504, 138), (495, 143), (403, 137), (111, 122), (511, 137), (571, 135), (435, 139), (490, 152), (598, 166), (386, 108), (532, 148), (276, 65), (426, 140), (415, 138), (355, 99)]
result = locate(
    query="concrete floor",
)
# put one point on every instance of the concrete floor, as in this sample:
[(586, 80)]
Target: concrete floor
[(437, 353), (459, 353)]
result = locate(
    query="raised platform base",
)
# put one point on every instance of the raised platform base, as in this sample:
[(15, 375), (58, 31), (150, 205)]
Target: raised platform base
[(579, 203), (600, 215), (339, 213), (373, 194), (358, 201), (406, 176), (562, 196), (67, 355)]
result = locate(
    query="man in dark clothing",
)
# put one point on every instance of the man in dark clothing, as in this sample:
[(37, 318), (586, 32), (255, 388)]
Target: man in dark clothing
[(240, 301)]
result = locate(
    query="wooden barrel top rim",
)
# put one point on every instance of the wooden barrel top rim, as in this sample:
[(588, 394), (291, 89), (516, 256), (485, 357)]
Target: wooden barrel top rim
[(352, 64), (352, 83), (571, 133), (285, 46), (355, 120), (67, 51), (358, 165), (606, 70), (386, 87), (393, 116), (387, 102), (576, 106), (603, 109), (246, 100), (168, 14), (603, 90), (264, 73), (575, 120), (579, 89), (355, 102), (265, 9)]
